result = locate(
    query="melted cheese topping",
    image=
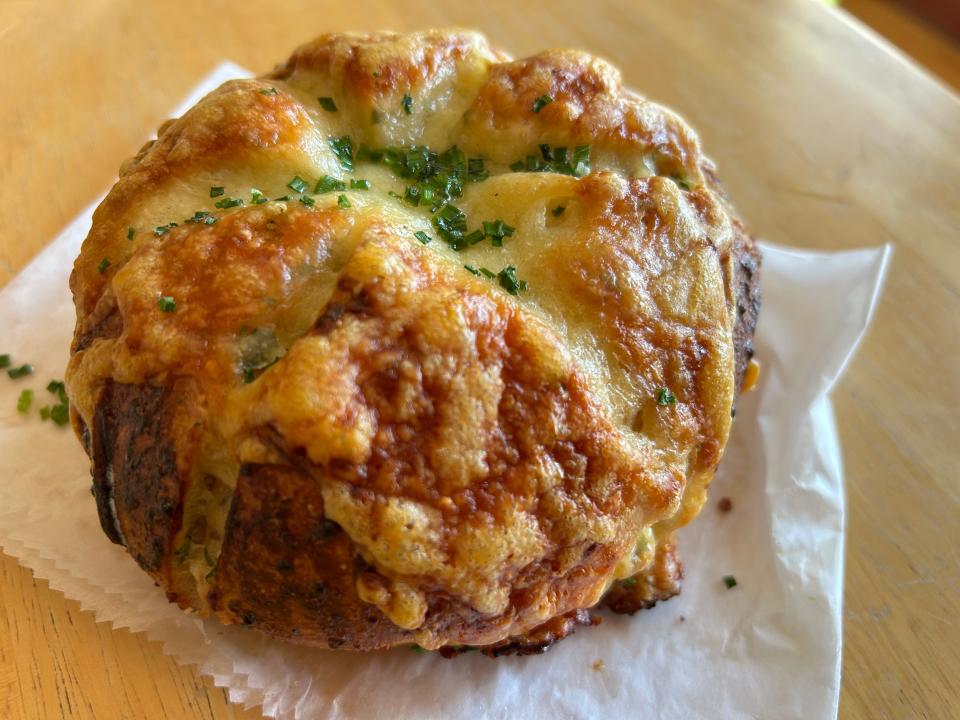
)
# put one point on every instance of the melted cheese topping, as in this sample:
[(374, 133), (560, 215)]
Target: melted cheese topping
[(469, 441)]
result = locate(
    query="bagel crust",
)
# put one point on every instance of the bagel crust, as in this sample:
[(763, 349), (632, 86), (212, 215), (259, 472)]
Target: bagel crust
[(409, 342)]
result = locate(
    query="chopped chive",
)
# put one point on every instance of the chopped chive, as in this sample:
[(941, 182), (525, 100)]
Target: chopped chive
[(451, 223), (476, 170), (24, 401), (60, 414), (407, 103), (509, 282), (472, 269), (216, 191), (166, 304), (558, 210), (422, 236), (497, 230), (257, 197), (376, 73), (343, 148), (629, 582), (19, 372), (541, 102), (4, 361), (104, 264), (417, 649), (681, 182), (283, 198), (327, 104), (164, 229), (555, 159), (201, 216), (228, 202), (489, 274), (307, 200), (730, 581), (298, 184), (359, 184), (269, 91), (665, 397), (328, 183), (58, 388), (45, 412), (343, 201), (474, 237), (130, 233)]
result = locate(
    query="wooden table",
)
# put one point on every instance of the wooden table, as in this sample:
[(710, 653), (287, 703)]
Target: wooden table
[(825, 139)]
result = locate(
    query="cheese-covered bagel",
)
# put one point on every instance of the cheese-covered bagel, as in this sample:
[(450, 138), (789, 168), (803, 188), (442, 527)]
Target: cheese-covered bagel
[(408, 342)]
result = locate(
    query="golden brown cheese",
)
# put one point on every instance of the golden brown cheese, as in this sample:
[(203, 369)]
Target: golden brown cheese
[(491, 456)]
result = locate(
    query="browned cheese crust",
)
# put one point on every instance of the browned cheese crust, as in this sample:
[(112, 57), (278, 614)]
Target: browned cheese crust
[(304, 419)]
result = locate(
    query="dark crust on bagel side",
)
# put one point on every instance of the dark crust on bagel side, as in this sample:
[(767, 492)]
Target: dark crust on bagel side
[(134, 465)]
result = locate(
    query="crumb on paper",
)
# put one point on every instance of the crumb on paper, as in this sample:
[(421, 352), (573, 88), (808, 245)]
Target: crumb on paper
[(681, 619), (725, 505), (598, 665)]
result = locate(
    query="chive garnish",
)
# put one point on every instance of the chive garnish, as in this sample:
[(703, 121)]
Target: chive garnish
[(269, 91), (4, 361), (497, 230), (104, 264), (509, 282), (343, 201), (166, 304), (554, 159), (19, 372), (216, 191), (472, 270), (307, 200), (558, 210), (359, 184), (164, 229), (407, 103), (298, 184), (541, 102), (58, 388), (451, 223), (228, 202), (329, 183), (422, 236), (475, 170), (730, 581), (474, 237), (343, 148), (60, 414), (201, 216), (257, 197), (327, 104), (665, 397), (24, 401), (130, 233)]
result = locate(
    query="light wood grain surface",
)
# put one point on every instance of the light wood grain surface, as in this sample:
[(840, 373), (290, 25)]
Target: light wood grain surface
[(825, 139)]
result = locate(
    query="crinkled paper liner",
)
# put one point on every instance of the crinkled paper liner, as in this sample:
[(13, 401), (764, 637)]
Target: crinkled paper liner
[(773, 641)]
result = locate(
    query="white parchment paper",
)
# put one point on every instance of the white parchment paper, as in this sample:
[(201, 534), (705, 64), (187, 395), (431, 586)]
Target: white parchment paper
[(767, 648)]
